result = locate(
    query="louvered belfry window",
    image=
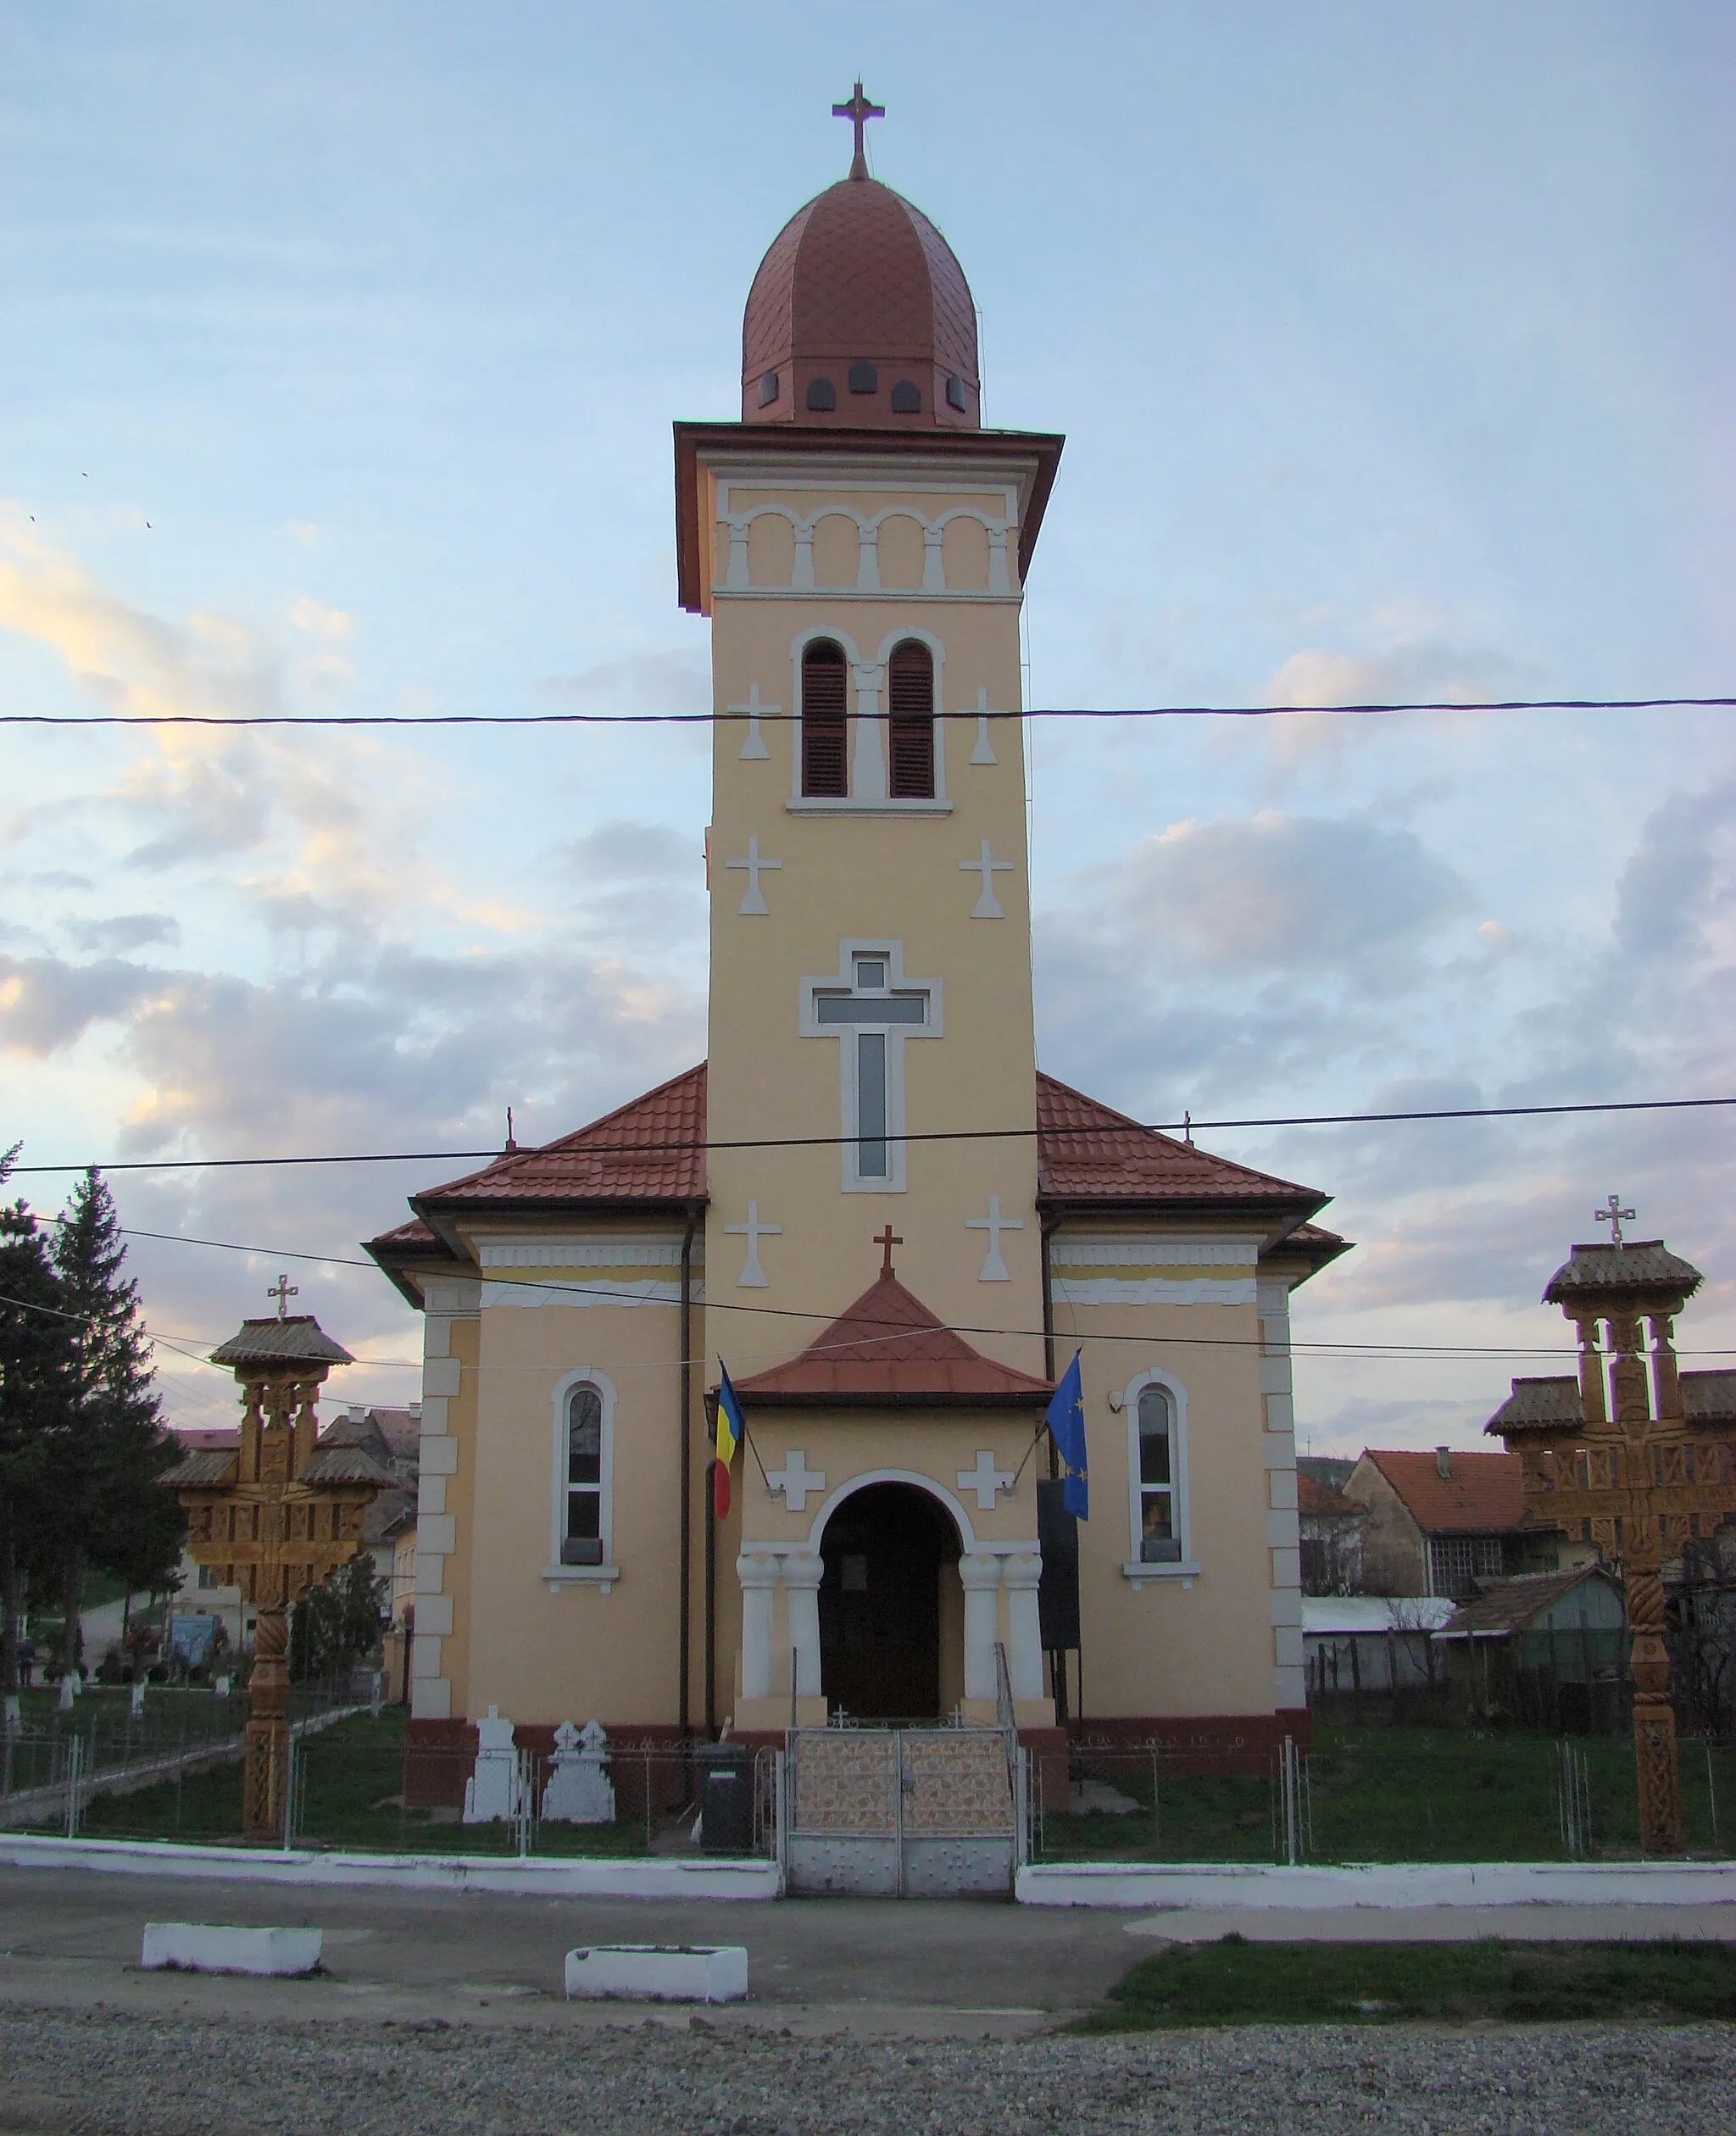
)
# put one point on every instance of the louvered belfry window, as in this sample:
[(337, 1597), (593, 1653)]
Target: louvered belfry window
[(910, 680), (824, 724)]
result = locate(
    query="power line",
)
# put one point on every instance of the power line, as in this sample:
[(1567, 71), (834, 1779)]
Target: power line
[(774, 718), (1187, 1125)]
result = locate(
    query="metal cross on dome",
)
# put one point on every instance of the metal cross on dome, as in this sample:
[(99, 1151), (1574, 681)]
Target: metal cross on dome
[(859, 111), (283, 1290), (886, 1240), (1615, 1216)]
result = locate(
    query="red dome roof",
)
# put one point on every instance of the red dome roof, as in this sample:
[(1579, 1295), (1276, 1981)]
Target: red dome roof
[(860, 317)]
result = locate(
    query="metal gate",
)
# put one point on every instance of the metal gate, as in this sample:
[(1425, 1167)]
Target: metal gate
[(904, 1813)]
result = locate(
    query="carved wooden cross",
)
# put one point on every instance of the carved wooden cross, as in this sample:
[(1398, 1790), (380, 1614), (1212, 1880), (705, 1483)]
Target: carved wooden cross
[(859, 111), (886, 1240), (283, 1290)]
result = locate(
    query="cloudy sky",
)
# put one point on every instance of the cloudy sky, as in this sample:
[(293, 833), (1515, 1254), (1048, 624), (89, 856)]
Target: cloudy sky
[(1392, 345)]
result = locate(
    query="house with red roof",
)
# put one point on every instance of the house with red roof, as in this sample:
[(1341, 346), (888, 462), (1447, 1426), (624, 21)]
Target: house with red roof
[(1440, 1522), (867, 1205)]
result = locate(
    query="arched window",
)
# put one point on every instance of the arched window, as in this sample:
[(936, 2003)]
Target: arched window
[(583, 1542), (1158, 1483), (825, 722), (910, 678)]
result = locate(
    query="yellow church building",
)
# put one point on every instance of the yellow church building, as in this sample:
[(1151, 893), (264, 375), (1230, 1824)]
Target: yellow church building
[(866, 1203)]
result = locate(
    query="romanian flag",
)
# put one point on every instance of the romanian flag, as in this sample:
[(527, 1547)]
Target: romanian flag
[(729, 1431)]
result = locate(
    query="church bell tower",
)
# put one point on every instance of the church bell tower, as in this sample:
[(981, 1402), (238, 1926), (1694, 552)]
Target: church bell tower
[(859, 542)]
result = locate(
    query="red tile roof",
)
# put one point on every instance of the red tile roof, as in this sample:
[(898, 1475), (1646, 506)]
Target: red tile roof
[(650, 1149), (1481, 1495), (1323, 1502), (888, 1348), (1088, 1152)]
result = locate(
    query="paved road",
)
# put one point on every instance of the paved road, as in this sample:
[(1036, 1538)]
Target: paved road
[(70, 1938)]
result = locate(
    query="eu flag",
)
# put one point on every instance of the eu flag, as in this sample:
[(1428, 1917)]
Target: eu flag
[(1066, 1429)]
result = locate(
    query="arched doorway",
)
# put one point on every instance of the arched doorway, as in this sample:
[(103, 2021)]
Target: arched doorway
[(886, 1551)]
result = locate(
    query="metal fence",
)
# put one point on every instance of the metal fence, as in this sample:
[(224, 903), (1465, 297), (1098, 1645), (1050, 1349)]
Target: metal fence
[(361, 1788), (1370, 1794), (112, 1745)]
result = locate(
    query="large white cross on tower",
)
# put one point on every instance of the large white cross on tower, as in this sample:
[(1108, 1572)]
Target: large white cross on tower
[(796, 1480), (987, 1480), (987, 906), (994, 1269), (753, 1276), (754, 897), (754, 746)]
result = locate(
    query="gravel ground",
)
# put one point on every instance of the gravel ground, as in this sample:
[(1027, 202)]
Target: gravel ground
[(120, 2075)]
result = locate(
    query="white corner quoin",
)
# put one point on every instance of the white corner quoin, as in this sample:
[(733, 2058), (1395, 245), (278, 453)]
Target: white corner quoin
[(191, 1946), (658, 1973)]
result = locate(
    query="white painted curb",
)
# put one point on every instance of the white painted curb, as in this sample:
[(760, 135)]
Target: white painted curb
[(191, 1946), (1258, 1885), (544, 1876), (659, 1972)]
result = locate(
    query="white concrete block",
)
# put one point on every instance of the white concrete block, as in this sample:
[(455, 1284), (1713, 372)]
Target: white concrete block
[(434, 1423), (1285, 1568), (1281, 1532), (1286, 1606), (1287, 1645), (440, 1376), (434, 1616), (425, 1656), (1281, 1486), (1281, 1414), (1280, 1446), (436, 1342), (430, 1699), (1275, 1375), (659, 1972), (430, 1573), (1289, 1690), (436, 1534), (438, 1456), (431, 1491), (190, 1946)]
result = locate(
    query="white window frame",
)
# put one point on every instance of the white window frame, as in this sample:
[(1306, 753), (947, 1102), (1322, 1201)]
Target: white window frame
[(892, 1181), (1183, 1568), (603, 1576)]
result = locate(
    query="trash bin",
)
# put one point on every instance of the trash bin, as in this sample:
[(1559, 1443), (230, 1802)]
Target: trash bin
[(726, 1800)]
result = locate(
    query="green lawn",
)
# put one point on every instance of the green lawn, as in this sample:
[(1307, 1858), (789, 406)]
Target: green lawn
[(1394, 1795), (1235, 1983), (352, 1778)]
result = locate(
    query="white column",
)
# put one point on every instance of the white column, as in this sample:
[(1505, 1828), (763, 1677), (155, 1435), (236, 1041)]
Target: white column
[(759, 1579), (868, 773), (980, 1575), (1024, 1627), (802, 1570)]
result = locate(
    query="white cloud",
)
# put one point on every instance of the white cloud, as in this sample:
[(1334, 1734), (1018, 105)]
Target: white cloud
[(333, 626)]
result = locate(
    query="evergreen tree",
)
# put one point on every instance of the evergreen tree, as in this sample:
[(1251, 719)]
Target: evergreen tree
[(37, 1384), (337, 1622), (109, 1510)]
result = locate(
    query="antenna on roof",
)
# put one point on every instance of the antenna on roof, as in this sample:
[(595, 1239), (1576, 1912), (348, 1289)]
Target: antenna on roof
[(511, 1149), (1188, 1130)]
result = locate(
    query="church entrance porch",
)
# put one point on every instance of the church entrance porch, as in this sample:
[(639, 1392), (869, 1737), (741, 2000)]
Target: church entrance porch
[(890, 1602)]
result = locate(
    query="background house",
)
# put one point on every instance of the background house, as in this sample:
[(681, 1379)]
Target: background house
[(1545, 1651), (1330, 1528), (1439, 1523)]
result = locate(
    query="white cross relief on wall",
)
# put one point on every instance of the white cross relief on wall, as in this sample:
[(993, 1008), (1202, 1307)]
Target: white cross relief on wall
[(753, 1276), (796, 1481), (871, 1008), (754, 897), (994, 1269), (987, 906), (987, 1480), (984, 751), (753, 748)]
